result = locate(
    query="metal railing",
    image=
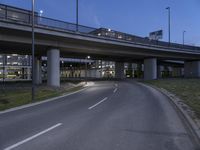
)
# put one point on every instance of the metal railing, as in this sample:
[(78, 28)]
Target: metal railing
[(18, 15)]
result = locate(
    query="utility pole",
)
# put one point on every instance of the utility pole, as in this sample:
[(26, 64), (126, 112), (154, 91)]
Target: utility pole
[(184, 37), (33, 50), (169, 24), (77, 14)]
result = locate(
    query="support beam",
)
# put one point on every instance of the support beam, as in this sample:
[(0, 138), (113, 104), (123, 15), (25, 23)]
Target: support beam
[(53, 67), (192, 69), (119, 70), (38, 71), (150, 69)]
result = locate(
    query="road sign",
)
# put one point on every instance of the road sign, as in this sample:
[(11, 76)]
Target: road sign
[(156, 35)]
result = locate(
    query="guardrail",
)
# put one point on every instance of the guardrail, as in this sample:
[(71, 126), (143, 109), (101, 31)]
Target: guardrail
[(25, 16)]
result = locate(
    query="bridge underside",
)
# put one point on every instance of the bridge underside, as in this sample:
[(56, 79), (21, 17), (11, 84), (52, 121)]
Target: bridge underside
[(55, 44)]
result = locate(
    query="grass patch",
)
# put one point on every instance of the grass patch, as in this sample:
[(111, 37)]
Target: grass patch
[(186, 89), (10, 98)]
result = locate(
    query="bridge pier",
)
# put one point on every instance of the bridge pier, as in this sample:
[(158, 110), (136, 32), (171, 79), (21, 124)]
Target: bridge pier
[(119, 70), (159, 71), (53, 67), (150, 69), (38, 71), (192, 69)]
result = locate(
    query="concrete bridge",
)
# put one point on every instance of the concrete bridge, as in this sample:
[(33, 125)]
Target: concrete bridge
[(57, 38)]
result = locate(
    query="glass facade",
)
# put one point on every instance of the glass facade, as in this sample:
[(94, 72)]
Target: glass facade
[(15, 67)]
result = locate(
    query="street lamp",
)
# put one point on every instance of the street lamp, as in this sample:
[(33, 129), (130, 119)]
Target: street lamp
[(33, 50), (169, 24), (184, 37), (41, 13), (77, 13), (88, 57)]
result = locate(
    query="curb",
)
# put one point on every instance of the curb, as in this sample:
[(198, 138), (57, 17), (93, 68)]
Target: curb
[(40, 102), (191, 126)]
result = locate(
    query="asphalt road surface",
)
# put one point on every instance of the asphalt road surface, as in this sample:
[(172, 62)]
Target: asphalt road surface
[(104, 116)]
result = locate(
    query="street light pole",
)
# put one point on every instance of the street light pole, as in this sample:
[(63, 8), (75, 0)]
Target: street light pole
[(169, 24), (184, 37), (77, 13), (33, 50), (86, 67)]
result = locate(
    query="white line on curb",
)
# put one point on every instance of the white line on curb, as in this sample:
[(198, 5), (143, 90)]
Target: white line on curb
[(98, 103), (115, 90), (33, 137)]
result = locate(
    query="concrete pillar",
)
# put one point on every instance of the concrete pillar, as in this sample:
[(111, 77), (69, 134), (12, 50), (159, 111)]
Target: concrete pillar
[(38, 71), (192, 69), (159, 71), (130, 69), (119, 70), (53, 67), (29, 73), (176, 72), (150, 69)]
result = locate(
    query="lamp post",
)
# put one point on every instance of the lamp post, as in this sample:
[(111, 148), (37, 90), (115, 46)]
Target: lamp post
[(169, 24), (184, 37), (77, 13), (88, 57), (4, 62), (33, 50)]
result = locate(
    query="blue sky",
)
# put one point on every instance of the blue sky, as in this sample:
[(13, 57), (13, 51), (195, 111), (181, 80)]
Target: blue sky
[(138, 17)]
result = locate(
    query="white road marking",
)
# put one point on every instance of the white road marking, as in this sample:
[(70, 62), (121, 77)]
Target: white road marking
[(98, 103), (32, 137), (115, 90)]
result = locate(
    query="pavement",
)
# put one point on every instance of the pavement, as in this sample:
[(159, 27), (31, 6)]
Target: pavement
[(105, 116)]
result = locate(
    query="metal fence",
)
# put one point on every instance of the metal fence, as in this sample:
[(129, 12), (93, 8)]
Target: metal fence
[(25, 16)]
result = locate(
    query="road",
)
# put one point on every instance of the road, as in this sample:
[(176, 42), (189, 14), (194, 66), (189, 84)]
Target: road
[(105, 116)]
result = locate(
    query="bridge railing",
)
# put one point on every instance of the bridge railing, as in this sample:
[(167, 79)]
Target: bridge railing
[(13, 14)]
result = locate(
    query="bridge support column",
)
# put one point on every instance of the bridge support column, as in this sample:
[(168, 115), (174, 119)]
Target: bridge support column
[(38, 71), (119, 70), (192, 69), (150, 69), (159, 71), (53, 67)]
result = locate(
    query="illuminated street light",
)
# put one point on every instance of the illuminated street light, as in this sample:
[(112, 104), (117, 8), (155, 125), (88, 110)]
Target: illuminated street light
[(41, 13), (88, 57)]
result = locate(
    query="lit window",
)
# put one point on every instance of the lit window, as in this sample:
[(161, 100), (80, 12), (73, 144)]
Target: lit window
[(8, 56)]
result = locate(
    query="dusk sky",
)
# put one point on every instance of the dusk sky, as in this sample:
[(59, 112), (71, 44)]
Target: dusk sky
[(138, 17)]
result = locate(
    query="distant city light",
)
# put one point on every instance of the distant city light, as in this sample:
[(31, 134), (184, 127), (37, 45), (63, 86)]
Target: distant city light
[(109, 30)]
